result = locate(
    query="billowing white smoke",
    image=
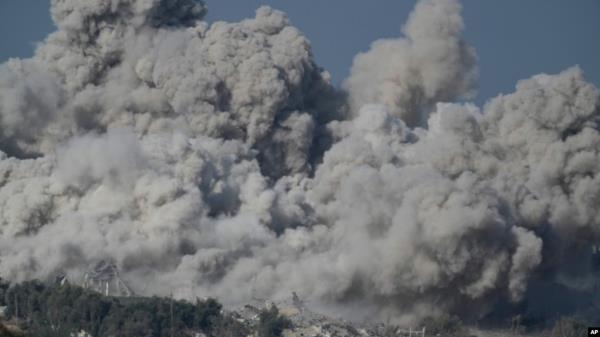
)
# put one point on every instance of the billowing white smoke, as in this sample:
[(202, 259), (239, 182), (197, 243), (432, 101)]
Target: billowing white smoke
[(215, 161), (409, 75)]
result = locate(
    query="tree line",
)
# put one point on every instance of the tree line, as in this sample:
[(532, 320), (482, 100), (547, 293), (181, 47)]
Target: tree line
[(54, 310)]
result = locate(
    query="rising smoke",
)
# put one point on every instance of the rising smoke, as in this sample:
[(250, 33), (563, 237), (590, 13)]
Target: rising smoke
[(218, 160)]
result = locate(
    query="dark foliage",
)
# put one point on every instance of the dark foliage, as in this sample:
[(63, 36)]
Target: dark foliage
[(59, 310), (3, 288), (271, 323)]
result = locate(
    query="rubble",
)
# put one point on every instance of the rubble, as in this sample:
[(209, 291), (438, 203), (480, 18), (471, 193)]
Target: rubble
[(307, 323)]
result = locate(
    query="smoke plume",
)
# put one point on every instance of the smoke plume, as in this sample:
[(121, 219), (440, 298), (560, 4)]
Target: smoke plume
[(409, 75), (218, 160)]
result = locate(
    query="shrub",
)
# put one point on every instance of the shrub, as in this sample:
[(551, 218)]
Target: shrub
[(271, 323)]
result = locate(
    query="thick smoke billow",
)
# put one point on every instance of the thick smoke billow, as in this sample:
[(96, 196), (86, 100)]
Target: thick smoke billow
[(218, 160), (409, 75)]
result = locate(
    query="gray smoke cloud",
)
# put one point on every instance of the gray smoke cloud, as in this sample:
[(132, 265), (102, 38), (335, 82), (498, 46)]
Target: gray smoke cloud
[(409, 75), (218, 160)]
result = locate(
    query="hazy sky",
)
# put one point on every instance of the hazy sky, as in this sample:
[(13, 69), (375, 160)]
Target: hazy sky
[(514, 38)]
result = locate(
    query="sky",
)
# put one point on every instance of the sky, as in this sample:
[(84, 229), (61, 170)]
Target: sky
[(514, 39)]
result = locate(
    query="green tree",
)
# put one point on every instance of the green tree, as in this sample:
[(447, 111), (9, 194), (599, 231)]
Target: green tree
[(209, 312), (56, 310), (3, 289), (271, 323)]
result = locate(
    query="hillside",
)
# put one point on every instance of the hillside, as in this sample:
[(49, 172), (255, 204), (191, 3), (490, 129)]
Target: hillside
[(39, 309)]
